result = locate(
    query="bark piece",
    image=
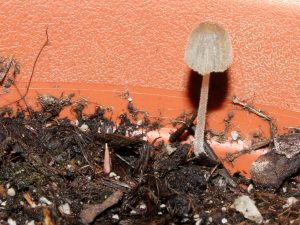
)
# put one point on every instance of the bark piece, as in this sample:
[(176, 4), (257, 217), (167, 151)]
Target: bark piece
[(91, 211)]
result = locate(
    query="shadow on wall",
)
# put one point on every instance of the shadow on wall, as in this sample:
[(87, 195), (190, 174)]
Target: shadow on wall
[(218, 89)]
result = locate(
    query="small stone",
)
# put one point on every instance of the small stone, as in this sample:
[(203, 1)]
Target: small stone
[(290, 201), (84, 127), (198, 222), (11, 192), (112, 174), (210, 219), (224, 220), (196, 217), (223, 209), (76, 123), (162, 206), (65, 209), (234, 135), (284, 189), (159, 213), (10, 221), (115, 217), (3, 203), (143, 206), (139, 122), (132, 212), (44, 200), (32, 222), (250, 188), (184, 220), (117, 177), (247, 207)]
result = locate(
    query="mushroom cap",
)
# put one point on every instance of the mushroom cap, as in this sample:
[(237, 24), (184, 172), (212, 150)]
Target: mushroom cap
[(209, 49)]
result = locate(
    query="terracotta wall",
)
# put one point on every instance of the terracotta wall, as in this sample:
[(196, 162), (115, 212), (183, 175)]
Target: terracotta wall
[(141, 44)]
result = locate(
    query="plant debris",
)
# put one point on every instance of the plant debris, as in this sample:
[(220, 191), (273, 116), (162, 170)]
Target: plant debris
[(52, 172)]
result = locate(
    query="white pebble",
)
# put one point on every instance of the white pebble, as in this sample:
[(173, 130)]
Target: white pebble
[(44, 200), (84, 127), (3, 203), (133, 212), (247, 207), (198, 222), (139, 122), (223, 209), (10, 221), (234, 135), (210, 219), (32, 222), (162, 206), (159, 213), (65, 209), (184, 220), (115, 217), (117, 177), (224, 220), (143, 206), (290, 201), (76, 123), (7, 185), (112, 174), (11, 192), (250, 188), (284, 189), (196, 217)]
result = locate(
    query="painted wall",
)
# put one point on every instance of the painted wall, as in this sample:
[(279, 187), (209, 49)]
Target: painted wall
[(142, 43)]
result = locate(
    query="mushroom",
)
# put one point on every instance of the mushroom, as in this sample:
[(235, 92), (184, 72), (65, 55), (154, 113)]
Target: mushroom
[(208, 50)]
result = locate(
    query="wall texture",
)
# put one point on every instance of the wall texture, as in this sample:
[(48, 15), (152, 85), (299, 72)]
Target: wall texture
[(142, 43)]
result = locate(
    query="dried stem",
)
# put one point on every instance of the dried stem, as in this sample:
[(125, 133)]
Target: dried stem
[(257, 112), (201, 117)]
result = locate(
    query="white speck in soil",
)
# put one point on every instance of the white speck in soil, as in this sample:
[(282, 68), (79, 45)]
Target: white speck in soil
[(65, 209), (143, 206), (162, 206), (132, 212), (10, 221), (115, 217), (250, 188), (11, 192), (224, 220)]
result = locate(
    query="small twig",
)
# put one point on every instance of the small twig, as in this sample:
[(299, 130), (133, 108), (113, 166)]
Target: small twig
[(124, 160), (257, 112), (232, 156), (186, 125), (32, 72)]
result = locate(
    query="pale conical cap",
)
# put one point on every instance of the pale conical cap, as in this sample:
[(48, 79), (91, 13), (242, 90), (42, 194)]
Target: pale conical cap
[(209, 49)]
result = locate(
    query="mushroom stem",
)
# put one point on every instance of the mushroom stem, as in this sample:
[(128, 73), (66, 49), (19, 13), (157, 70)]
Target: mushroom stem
[(201, 116)]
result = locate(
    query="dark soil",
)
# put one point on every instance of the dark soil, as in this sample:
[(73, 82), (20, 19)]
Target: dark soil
[(49, 162)]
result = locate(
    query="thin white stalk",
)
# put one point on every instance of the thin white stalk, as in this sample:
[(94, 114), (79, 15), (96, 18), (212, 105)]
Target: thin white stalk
[(201, 117)]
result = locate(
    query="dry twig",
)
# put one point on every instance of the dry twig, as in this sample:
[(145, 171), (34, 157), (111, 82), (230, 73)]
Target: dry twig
[(257, 112)]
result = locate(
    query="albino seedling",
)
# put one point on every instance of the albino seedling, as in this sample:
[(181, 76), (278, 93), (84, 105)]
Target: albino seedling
[(208, 50)]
